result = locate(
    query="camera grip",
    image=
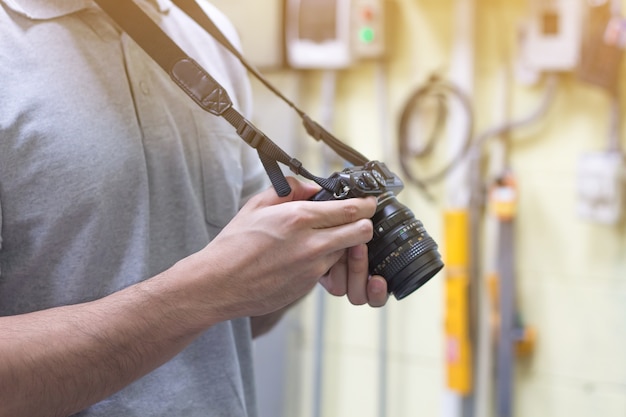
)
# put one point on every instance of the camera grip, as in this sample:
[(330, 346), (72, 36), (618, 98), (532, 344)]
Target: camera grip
[(322, 195)]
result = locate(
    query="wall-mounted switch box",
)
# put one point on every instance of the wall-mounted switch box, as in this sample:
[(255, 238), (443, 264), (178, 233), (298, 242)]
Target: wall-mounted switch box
[(333, 34), (551, 35), (600, 186)]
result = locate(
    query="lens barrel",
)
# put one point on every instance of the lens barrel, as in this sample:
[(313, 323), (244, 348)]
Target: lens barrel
[(401, 250)]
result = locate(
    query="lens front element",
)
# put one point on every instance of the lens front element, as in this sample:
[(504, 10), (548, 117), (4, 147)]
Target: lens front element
[(401, 250)]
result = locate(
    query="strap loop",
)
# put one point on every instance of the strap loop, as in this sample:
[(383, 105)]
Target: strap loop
[(253, 136), (295, 166)]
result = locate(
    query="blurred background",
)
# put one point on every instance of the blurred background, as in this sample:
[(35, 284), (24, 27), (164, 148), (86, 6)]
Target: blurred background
[(503, 118)]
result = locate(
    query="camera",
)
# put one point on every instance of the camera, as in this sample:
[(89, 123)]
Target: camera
[(401, 250)]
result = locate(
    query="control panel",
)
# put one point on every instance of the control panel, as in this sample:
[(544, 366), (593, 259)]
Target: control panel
[(550, 37), (368, 29)]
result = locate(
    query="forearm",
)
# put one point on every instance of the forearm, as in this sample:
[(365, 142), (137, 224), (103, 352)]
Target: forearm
[(59, 361)]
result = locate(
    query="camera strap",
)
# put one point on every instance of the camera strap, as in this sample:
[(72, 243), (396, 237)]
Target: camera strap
[(314, 129), (203, 89)]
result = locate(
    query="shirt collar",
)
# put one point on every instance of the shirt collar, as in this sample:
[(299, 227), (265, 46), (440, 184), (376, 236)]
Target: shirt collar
[(50, 9)]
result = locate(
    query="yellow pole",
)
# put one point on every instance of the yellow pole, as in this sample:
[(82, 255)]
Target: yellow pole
[(458, 345)]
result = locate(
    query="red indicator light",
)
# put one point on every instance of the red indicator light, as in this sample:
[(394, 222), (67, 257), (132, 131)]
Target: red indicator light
[(367, 13)]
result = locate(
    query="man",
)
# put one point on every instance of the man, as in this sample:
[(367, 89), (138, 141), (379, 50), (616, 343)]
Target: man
[(137, 232)]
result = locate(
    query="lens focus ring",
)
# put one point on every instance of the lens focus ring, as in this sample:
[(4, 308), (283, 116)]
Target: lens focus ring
[(400, 258)]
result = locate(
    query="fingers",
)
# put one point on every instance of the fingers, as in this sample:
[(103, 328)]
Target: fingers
[(339, 238), (309, 237), (377, 295), (361, 287), (357, 274), (332, 225), (335, 281), (299, 191), (338, 212), (350, 276), (320, 214)]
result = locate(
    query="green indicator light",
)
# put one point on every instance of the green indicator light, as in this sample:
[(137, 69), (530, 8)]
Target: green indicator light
[(367, 34)]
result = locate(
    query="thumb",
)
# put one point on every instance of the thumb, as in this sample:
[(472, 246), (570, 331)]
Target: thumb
[(299, 191)]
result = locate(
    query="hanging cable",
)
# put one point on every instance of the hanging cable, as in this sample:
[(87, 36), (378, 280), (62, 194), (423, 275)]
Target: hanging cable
[(440, 92), (540, 111)]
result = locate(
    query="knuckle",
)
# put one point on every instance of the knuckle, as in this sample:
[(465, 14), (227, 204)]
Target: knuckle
[(350, 212), (367, 228), (321, 269), (298, 215)]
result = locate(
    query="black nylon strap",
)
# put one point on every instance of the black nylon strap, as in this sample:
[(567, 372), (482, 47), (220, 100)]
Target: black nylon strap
[(266, 148), (276, 176), (183, 70), (143, 30), (198, 84)]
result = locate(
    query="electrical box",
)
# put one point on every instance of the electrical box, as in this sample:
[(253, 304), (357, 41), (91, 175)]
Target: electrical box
[(604, 41), (332, 34), (317, 33), (260, 27), (600, 186), (551, 36)]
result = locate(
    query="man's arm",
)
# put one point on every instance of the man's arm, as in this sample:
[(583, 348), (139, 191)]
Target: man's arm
[(59, 361)]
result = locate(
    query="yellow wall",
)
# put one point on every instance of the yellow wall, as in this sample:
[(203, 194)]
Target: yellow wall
[(571, 274)]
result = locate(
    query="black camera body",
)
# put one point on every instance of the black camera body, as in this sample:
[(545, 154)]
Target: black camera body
[(373, 178), (401, 250)]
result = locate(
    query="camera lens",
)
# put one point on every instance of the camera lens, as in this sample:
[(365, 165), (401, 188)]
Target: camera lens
[(401, 250)]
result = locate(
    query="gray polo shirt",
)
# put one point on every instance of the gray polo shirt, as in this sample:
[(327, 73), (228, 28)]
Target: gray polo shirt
[(109, 174)]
